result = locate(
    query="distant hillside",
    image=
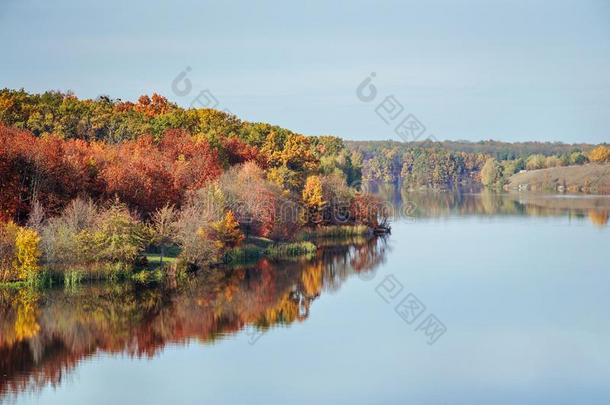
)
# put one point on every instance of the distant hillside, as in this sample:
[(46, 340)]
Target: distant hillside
[(593, 178)]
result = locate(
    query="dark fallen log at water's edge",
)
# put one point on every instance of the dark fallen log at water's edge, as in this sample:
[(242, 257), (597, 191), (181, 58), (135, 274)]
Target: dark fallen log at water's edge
[(382, 230)]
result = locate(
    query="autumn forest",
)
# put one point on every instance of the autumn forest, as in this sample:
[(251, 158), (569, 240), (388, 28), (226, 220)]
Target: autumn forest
[(97, 183), (104, 188)]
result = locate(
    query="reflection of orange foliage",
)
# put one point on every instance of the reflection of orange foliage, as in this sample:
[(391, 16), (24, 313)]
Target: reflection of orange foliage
[(26, 325), (284, 312), (19, 318), (368, 256), (312, 278), (36, 350), (598, 217)]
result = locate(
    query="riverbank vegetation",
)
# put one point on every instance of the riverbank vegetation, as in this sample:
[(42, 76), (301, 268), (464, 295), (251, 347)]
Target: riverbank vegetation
[(98, 184)]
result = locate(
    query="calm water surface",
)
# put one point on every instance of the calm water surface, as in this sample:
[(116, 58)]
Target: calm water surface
[(519, 287)]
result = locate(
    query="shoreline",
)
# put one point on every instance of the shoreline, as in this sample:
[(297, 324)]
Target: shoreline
[(150, 272)]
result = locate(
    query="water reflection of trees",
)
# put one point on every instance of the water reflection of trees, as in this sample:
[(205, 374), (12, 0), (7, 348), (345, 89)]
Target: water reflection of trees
[(440, 204), (45, 334)]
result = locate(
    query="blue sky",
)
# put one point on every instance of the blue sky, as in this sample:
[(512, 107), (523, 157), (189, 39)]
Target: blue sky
[(508, 69)]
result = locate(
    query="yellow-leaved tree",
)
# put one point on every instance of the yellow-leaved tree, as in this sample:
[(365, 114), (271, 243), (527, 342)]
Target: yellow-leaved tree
[(600, 154), (491, 173), (313, 198), (27, 253)]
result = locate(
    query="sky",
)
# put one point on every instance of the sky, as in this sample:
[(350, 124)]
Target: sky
[(510, 70)]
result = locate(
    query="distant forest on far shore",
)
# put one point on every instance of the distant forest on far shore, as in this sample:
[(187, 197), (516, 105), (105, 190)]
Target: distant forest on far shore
[(447, 163)]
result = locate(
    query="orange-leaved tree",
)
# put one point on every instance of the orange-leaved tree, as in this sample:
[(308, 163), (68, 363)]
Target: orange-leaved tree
[(226, 232)]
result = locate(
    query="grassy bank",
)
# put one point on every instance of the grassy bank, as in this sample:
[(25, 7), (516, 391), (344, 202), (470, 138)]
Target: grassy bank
[(290, 249), (251, 252), (334, 232), (306, 244), (589, 178), (13, 284)]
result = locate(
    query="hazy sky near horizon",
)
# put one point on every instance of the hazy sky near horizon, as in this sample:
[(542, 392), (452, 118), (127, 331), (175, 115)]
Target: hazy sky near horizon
[(511, 70)]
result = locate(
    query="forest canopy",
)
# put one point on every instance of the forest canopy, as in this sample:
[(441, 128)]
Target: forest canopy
[(150, 153), (102, 181)]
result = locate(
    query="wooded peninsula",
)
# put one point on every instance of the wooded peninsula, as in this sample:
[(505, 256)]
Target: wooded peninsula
[(105, 188)]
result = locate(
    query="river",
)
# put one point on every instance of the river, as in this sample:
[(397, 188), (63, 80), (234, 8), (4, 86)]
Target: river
[(473, 298)]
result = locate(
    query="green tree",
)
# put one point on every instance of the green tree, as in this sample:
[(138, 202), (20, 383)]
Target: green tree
[(535, 162), (119, 237), (578, 158)]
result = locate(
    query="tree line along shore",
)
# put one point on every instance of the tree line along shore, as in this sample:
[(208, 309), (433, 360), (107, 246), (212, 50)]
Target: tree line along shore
[(106, 186), (433, 164)]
